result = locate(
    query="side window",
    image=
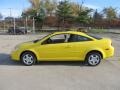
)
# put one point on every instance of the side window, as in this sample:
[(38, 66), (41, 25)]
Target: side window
[(78, 38), (83, 38), (60, 38)]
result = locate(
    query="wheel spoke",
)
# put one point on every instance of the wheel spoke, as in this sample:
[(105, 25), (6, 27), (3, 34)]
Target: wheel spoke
[(93, 62), (28, 59)]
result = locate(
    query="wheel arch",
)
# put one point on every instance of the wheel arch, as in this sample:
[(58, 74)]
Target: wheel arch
[(30, 52), (93, 51)]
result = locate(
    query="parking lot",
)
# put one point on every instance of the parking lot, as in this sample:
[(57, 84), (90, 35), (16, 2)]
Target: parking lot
[(57, 75)]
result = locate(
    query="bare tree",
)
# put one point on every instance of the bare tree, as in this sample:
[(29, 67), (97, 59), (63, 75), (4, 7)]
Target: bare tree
[(110, 13), (35, 4), (50, 6)]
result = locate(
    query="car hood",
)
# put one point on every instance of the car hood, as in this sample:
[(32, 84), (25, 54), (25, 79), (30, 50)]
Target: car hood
[(27, 44)]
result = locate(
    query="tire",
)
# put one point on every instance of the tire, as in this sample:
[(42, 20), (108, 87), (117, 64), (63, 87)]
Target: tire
[(28, 58), (93, 59)]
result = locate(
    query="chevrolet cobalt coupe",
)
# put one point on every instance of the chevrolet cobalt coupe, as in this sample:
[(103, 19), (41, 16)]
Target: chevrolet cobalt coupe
[(64, 46)]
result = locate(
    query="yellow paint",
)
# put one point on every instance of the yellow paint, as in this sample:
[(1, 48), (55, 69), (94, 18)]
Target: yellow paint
[(74, 51)]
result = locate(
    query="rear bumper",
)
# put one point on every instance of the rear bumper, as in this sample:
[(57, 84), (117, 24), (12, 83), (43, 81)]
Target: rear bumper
[(109, 52)]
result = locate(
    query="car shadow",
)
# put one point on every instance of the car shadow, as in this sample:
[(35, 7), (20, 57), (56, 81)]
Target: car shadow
[(6, 60), (61, 63)]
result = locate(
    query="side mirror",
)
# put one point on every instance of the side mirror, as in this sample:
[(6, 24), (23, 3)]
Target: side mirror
[(49, 41)]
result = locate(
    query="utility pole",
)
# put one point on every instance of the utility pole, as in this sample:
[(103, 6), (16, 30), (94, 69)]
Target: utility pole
[(26, 23), (12, 20), (10, 14), (14, 25), (33, 25), (4, 25), (10, 11)]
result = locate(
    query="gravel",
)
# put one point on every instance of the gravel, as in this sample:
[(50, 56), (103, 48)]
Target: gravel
[(57, 75)]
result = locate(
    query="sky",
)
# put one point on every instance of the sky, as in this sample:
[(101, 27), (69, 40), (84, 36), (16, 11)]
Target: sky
[(14, 6), (17, 6)]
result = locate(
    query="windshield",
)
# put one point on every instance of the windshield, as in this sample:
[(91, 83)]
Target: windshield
[(35, 41)]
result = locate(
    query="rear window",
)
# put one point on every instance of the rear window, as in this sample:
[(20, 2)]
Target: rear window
[(95, 36)]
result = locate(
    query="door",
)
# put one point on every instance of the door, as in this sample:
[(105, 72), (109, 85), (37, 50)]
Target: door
[(55, 48)]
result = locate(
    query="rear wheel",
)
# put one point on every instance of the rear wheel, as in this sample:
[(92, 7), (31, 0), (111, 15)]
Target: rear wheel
[(93, 59), (28, 58)]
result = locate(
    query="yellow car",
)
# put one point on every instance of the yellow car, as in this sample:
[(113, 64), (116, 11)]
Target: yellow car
[(64, 46)]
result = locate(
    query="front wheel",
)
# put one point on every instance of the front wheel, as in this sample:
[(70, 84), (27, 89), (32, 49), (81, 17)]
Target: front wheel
[(93, 59), (28, 58)]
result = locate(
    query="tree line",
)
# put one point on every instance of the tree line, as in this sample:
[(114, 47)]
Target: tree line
[(68, 14)]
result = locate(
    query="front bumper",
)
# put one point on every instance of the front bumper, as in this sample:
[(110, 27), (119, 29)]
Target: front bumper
[(15, 56)]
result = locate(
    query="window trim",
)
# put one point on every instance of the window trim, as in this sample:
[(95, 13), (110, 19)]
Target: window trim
[(67, 41), (53, 36), (81, 41)]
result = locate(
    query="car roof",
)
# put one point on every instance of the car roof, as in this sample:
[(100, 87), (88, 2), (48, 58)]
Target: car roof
[(70, 32), (74, 32)]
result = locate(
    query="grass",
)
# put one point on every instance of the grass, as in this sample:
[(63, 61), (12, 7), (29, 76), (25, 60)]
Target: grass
[(97, 31)]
